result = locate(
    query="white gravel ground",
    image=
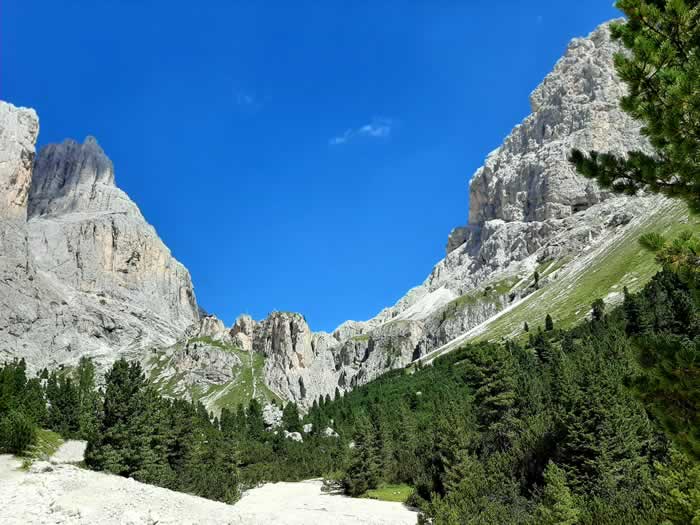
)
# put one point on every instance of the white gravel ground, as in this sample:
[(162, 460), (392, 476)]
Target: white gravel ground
[(70, 452), (67, 494)]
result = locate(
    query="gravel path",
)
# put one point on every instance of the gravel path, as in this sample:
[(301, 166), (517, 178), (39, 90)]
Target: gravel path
[(50, 493)]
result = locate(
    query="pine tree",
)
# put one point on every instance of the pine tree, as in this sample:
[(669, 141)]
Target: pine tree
[(677, 491), (605, 432), (548, 323), (88, 399), (490, 372), (33, 402), (254, 420), (526, 327), (290, 418), (363, 473), (557, 506), (113, 447), (662, 72), (150, 434), (64, 406), (598, 310)]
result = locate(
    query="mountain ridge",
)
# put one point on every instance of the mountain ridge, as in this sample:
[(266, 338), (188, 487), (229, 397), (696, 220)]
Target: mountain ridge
[(104, 285)]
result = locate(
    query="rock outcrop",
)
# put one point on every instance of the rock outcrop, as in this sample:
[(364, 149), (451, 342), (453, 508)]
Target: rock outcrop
[(209, 327), (83, 273), (298, 363)]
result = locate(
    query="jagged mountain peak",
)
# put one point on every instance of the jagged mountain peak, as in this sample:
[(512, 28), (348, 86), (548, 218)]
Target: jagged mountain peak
[(72, 177)]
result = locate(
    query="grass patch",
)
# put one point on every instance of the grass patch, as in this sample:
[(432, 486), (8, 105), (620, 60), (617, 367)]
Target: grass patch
[(395, 493), (490, 294), (47, 443), (210, 342)]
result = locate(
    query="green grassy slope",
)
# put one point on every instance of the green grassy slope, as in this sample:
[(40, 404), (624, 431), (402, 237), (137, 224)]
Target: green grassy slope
[(602, 273), (572, 285)]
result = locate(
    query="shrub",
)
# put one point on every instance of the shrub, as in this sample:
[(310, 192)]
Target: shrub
[(17, 433)]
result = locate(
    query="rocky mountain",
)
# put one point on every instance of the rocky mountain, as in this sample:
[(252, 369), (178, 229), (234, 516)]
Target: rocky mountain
[(528, 212), (83, 273)]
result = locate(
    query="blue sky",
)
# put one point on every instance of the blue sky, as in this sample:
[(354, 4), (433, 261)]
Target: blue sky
[(303, 156)]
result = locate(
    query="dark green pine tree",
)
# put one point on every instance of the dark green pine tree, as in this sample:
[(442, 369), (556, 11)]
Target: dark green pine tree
[(363, 473), (254, 420), (33, 401), (526, 327), (88, 399), (150, 432), (662, 73), (241, 419), (17, 432), (114, 446), (452, 429), (598, 310), (211, 466), (542, 346), (290, 418), (606, 433), (548, 323), (491, 373), (64, 407), (636, 318)]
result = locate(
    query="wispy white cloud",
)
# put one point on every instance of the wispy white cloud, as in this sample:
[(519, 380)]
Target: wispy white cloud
[(244, 99), (379, 128)]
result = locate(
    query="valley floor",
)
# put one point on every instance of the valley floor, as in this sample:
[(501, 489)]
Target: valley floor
[(64, 493)]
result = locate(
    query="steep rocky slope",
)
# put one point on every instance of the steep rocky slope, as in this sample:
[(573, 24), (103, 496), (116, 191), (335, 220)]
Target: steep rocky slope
[(83, 273)]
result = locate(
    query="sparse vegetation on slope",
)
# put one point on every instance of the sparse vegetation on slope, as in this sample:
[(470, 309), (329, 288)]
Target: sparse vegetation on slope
[(574, 286), (247, 380)]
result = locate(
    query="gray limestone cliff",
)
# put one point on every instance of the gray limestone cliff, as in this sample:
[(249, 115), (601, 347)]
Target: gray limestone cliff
[(83, 273)]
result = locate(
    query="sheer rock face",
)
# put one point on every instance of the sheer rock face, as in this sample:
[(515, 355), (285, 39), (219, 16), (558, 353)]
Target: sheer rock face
[(19, 304), (89, 275), (19, 128), (526, 205), (298, 363)]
